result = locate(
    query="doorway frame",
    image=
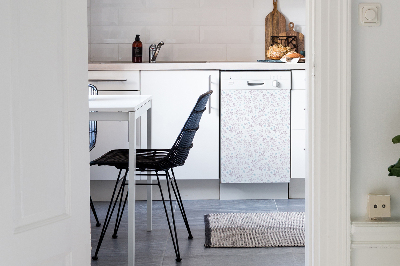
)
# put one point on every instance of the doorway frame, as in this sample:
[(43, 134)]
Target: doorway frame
[(328, 224)]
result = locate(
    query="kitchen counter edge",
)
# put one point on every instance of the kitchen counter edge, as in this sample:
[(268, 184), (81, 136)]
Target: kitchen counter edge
[(195, 66)]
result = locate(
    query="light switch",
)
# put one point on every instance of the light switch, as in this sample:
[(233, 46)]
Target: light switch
[(369, 14)]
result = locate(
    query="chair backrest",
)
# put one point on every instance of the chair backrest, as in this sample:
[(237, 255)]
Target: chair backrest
[(92, 124), (180, 150)]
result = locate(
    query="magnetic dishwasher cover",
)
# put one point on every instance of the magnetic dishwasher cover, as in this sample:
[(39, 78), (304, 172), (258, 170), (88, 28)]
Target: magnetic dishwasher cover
[(255, 126)]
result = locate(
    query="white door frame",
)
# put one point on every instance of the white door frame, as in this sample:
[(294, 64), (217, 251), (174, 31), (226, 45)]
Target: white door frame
[(328, 178)]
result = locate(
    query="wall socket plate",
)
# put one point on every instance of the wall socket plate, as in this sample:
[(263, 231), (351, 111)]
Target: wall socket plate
[(378, 206)]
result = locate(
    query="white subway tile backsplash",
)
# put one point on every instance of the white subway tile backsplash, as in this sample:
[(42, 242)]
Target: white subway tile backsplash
[(245, 52), (199, 16), (214, 3), (258, 35), (172, 3), (115, 34), (192, 30), (199, 52), (173, 34), (145, 17), (229, 4), (246, 17), (125, 52), (119, 3), (104, 52), (105, 16), (224, 34)]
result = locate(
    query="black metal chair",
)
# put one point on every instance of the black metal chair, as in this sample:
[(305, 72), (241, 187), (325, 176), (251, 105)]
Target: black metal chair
[(92, 143), (154, 160)]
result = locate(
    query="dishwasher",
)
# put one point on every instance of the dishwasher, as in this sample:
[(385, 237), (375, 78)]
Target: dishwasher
[(255, 126)]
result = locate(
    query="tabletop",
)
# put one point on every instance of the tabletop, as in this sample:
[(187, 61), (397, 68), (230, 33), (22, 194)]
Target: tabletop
[(121, 103)]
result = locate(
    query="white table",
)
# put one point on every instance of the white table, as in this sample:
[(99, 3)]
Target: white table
[(127, 108)]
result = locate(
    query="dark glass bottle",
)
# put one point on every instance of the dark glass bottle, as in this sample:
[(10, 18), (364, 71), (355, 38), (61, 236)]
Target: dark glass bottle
[(137, 50)]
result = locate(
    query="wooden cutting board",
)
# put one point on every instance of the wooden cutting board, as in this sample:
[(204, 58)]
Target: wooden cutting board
[(292, 32), (275, 23)]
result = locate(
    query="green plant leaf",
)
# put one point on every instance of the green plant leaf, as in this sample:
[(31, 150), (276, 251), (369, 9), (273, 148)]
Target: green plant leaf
[(394, 170), (396, 139)]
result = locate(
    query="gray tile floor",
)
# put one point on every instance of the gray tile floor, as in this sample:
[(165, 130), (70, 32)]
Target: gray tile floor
[(155, 248)]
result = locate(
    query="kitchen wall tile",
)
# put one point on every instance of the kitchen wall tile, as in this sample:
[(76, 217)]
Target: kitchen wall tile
[(226, 3), (217, 30), (246, 17), (199, 52), (173, 34), (119, 3), (105, 16), (293, 10), (172, 3), (258, 35), (224, 34), (214, 3), (115, 34), (245, 52), (104, 52), (125, 52), (145, 17), (200, 16)]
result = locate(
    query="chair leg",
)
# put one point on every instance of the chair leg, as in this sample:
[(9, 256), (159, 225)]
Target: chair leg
[(94, 213), (174, 239), (110, 211), (120, 211), (174, 185)]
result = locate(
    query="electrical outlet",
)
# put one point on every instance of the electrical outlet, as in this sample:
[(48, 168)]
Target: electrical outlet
[(378, 206)]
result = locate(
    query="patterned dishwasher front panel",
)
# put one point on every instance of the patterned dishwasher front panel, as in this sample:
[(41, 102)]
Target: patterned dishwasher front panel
[(255, 136)]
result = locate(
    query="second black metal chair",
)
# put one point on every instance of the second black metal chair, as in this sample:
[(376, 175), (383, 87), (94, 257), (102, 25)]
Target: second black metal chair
[(154, 160)]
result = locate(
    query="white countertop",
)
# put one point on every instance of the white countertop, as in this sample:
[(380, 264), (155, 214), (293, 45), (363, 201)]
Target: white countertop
[(196, 66)]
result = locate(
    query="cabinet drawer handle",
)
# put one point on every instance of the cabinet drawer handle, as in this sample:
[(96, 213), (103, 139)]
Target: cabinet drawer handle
[(100, 80), (254, 83), (209, 99)]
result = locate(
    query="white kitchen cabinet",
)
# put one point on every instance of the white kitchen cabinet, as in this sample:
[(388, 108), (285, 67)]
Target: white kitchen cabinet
[(298, 154), (174, 96), (112, 134), (298, 124)]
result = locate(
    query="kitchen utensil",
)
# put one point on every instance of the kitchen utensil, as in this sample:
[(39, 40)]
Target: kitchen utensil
[(300, 37), (275, 23)]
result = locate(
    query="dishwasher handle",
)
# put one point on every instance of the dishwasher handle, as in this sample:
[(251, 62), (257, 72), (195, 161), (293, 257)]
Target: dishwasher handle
[(249, 83)]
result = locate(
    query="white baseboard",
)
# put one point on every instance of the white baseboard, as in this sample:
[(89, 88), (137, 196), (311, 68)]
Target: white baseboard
[(254, 191), (101, 190), (375, 243), (297, 188)]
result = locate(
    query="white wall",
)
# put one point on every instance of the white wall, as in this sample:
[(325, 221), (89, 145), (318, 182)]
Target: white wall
[(193, 30), (375, 120), (375, 108)]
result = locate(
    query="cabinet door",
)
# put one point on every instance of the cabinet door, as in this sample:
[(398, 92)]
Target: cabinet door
[(174, 96), (298, 154), (298, 112)]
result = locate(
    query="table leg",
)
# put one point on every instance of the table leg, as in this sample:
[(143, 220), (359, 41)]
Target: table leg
[(149, 178), (132, 190)]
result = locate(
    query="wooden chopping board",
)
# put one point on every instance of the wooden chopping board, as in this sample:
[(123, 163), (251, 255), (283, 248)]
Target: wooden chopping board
[(292, 32), (275, 23)]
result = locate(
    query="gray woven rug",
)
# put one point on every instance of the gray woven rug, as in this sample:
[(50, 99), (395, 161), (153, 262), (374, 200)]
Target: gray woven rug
[(238, 230)]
